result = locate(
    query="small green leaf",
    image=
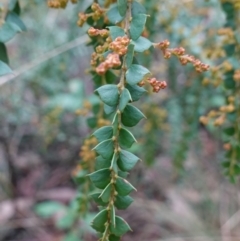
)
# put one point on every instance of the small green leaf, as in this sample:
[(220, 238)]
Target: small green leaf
[(127, 160), (99, 221), (115, 123), (109, 109), (103, 133), (114, 163), (130, 55), (137, 25), (114, 15), (113, 217), (102, 163), (122, 203), (4, 69), (109, 94), (135, 91), (229, 131), (97, 199), (113, 238), (105, 148), (92, 122), (100, 178), (126, 138), (3, 53), (131, 116), (142, 44), (106, 193), (124, 99), (136, 73), (121, 227), (122, 7), (123, 187), (115, 32)]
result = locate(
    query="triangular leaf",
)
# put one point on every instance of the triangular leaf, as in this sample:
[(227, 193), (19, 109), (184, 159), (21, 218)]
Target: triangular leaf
[(142, 44), (109, 109), (97, 199), (101, 178), (126, 138), (106, 193), (113, 217), (105, 148), (109, 94), (123, 187), (122, 203), (127, 160), (99, 221), (114, 162), (115, 32), (113, 238), (103, 133), (136, 73), (114, 15), (135, 91), (121, 227), (131, 116), (102, 163), (130, 55), (124, 99)]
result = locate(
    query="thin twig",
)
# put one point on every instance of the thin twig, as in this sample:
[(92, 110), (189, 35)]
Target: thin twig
[(53, 53)]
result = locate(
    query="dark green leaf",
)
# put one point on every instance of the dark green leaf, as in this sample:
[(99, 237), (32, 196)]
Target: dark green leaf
[(92, 122), (135, 91), (121, 227), (126, 138), (122, 7), (113, 217), (137, 25), (127, 160), (115, 123), (4, 69), (101, 178), (104, 133), (136, 73), (105, 149), (106, 193), (114, 162), (102, 163), (100, 220), (142, 44), (3, 53), (113, 238), (124, 99), (123, 187), (229, 131), (123, 202), (131, 116), (109, 94), (97, 199)]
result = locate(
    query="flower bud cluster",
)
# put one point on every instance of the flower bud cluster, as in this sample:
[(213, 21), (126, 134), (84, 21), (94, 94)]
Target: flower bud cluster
[(97, 13), (180, 53), (93, 32), (86, 152), (59, 3), (219, 117), (156, 84), (119, 45), (112, 61)]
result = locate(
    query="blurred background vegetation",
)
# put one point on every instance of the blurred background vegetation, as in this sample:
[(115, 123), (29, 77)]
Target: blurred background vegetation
[(45, 116)]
